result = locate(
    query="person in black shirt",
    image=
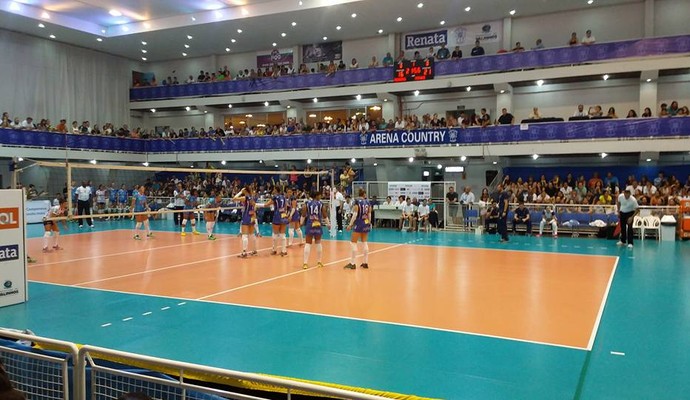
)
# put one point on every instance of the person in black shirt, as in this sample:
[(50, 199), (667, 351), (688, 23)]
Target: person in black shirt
[(503, 199), (457, 53), (201, 77), (522, 216), (484, 118), (477, 50), (443, 53), (506, 118), (452, 197)]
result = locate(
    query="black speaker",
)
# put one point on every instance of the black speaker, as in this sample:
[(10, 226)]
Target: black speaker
[(490, 176)]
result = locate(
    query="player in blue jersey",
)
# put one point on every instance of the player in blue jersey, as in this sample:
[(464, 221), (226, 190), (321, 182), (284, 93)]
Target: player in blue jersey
[(280, 220), (293, 219), (360, 224), (314, 215), (112, 199), (190, 204), (211, 216), (121, 200), (140, 205), (247, 196)]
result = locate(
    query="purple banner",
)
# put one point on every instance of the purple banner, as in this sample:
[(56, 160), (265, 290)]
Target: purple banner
[(322, 52), (279, 57)]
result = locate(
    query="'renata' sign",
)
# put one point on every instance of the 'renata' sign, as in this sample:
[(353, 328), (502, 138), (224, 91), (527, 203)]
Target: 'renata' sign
[(465, 35)]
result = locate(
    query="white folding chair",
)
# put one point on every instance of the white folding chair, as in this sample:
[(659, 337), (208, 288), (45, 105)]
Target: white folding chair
[(638, 223), (653, 223)]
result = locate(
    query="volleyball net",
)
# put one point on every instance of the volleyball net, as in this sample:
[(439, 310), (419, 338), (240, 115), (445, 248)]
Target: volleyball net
[(113, 185)]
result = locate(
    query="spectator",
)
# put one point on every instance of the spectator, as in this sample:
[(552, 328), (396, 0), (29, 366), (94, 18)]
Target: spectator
[(521, 216), (201, 77), (431, 54), (418, 55), (75, 128), (631, 114), (589, 38), (663, 112), (457, 53), (673, 109), (401, 56), (62, 126), (485, 118), (374, 62), (683, 111), (518, 47), (596, 112), (387, 60), (573, 39), (477, 50), (611, 181), (647, 113), (341, 66), (612, 113), (354, 64), (27, 124), (506, 118), (548, 216), (443, 53), (538, 45), (535, 113), (580, 111), (331, 69)]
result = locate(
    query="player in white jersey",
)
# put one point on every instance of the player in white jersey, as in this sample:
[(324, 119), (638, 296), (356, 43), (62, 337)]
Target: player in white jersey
[(50, 226)]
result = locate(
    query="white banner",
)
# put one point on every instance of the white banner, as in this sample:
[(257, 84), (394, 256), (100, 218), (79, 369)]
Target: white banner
[(35, 210), (13, 289), (419, 190), (465, 35)]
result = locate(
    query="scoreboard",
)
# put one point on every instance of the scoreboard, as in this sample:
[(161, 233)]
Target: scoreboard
[(414, 70)]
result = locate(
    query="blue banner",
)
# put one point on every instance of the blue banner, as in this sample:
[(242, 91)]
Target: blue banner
[(426, 39), (638, 128)]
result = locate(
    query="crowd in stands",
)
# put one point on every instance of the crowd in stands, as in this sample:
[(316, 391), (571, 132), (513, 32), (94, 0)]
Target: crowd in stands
[(362, 123)]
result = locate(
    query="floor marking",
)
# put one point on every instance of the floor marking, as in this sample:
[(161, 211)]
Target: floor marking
[(161, 269), (292, 273), (165, 308), (147, 313), (181, 304), (106, 325), (127, 319), (128, 252), (617, 353), (601, 307)]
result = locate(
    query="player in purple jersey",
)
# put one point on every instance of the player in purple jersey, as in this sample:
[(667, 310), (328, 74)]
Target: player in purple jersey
[(314, 214), (361, 222), (247, 196), (280, 220), (294, 219)]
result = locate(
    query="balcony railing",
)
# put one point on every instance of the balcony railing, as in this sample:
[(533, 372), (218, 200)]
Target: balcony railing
[(621, 129), (470, 65)]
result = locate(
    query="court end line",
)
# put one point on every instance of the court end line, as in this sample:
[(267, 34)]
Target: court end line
[(595, 329), (290, 274)]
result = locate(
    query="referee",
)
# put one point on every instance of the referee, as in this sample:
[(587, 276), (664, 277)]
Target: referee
[(180, 197), (627, 209), (84, 196)]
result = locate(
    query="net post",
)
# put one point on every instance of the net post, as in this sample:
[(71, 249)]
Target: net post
[(333, 217), (69, 188)]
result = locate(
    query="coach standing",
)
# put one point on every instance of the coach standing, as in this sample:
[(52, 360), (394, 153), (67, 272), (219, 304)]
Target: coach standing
[(180, 197), (84, 196), (627, 209), (503, 199)]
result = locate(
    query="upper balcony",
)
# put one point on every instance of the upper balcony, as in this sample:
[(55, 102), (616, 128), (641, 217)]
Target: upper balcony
[(552, 57)]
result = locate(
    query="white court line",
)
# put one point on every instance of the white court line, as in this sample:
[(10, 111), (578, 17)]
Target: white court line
[(128, 252), (127, 319), (161, 269), (165, 308), (147, 313), (291, 273), (617, 353), (106, 325), (601, 307)]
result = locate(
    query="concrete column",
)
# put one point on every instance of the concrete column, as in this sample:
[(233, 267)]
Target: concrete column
[(389, 110), (648, 18), (507, 42), (394, 44), (213, 62), (504, 99), (297, 112), (648, 96)]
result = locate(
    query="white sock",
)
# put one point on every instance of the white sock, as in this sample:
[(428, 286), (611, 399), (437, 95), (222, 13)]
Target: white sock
[(300, 236), (56, 235), (275, 239), (365, 252), (307, 251), (245, 242), (319, 252), (283, 241), (147, 227), (193, 225), (209, 227), (555, 228), (136, 228), (253, 242), (46, 235), (291, 235), (353, 257), (184, 224)]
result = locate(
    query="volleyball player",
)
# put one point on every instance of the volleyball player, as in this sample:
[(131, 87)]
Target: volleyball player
[(190, 204), (294, 218), (361, 222), (112, 199), (51, 227), (280, 220), (247, 197), (314, 215), (140, 205), (211, 216), (121, 200), (100, 199)]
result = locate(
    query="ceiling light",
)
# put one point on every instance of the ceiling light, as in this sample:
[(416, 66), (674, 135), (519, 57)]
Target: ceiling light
[(312, 115), (380, 31), (294, 23), (385, 100), (153, 110), (289, 107), (145, 164), (606, 77), (233, 41), (41, 26), (248, 116), (52, 36), (102, 30), (649, 80), (299, 3), (502, 91), (190, 37), (495, 162), (511, 12), (193, 19), (266, 103), (420, 5), (337, 28), (325, 38), (604, 155), (184, 54), (535, 156), (309, 161), (649, 160), (144, 43), (439, 166), (205, 111), (411, 159), (229, 105), (188, 108), (99, 39), (186, 46), (376, 164), (144, 51), (223, 162), (93, 162), (469, 88), (315, 100), (239, 31), (353, 160), (274, 44), (358, 97), (115, 13), (416, 92), (540, 82), (399, 19), (227, 49), (14, 6), (354, 15), (144, 59), (283, 34), (442, 22), (590, 1), (276, 166), (463, 158), (468, 8)]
